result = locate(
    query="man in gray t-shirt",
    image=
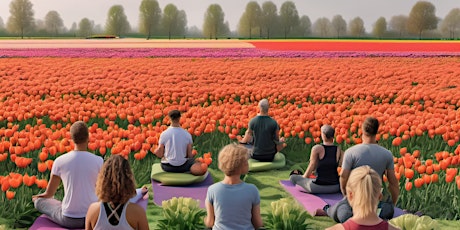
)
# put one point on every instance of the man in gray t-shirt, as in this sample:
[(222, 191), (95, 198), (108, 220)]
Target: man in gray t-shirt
[(378, 158)]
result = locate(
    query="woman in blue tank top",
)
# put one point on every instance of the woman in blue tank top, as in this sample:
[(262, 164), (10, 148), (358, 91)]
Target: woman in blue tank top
[(324, 159)]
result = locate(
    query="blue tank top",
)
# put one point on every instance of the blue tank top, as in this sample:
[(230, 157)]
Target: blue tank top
[(327, 167)]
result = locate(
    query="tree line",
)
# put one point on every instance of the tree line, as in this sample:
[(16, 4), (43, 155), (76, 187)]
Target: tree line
[(257, 21)]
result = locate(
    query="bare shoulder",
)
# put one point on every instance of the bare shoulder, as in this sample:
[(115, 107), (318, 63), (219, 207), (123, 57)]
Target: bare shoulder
[(93, 214), (391, 227), (94, 208), (317, 148), (134, 210), (336, 227)]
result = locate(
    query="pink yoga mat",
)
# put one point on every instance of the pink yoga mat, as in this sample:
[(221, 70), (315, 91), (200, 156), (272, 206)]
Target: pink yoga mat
[(311, 202), (196, 191), (44, 223)]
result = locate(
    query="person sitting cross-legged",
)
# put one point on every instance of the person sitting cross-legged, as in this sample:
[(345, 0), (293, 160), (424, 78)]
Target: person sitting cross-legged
[(379, 159), (78, 170), (175, 148), (324, 159), (115, 186), (233, 204), (263, 133), (363, 193)]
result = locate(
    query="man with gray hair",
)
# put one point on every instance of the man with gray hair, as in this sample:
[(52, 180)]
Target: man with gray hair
[(264, 131)]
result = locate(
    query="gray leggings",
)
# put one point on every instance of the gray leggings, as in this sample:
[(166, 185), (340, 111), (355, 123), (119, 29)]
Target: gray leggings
[(52, 208), (310, 187)]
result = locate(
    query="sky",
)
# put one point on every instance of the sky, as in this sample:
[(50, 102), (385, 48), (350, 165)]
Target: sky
[(96, 10)]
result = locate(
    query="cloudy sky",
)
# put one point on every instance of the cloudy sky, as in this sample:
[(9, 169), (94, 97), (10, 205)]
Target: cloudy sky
[(96, 10)]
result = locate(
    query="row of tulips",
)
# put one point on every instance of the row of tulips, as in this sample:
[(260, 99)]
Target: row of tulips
[(304, 94), (206, 53)]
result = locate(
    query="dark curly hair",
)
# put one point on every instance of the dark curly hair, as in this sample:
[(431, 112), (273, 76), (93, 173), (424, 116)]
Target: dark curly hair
[(115, 182)]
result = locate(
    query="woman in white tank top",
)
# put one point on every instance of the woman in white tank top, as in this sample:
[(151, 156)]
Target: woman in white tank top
[(115, 186)]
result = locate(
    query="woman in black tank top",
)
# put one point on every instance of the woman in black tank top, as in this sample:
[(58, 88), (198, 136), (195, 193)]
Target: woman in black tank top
[(324, 159)]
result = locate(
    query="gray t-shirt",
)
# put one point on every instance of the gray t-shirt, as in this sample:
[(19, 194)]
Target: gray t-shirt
[(374, 155), (233, 205)]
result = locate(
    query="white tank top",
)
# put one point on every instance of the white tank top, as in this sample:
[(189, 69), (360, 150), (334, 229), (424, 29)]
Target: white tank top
[(103, 223)]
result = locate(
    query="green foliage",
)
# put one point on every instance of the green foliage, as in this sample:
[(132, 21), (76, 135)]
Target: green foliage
[(410, 221), (181, 214), (214, 25), (422, 17), (21, 20), (117, 22), (286, 215), (18, 212), (149, 17)]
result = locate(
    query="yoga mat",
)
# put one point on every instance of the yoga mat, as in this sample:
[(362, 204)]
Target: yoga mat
[(196, 191), (311, 202), (44, 223)]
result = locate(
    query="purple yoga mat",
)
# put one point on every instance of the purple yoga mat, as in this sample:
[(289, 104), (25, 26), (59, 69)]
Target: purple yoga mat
[(311, 202), (44, 223), (196, 191)]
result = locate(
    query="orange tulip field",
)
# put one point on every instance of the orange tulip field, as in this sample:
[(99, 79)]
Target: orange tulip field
[(125, 101)]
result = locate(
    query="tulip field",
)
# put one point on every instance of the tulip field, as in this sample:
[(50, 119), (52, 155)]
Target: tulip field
[(124, 95)]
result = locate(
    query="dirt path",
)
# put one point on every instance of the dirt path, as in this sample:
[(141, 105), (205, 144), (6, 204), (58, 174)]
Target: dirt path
[(121, 43)]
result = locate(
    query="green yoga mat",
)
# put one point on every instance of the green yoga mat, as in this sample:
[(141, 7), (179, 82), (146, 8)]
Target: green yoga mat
[(278, 162), (168, 178)]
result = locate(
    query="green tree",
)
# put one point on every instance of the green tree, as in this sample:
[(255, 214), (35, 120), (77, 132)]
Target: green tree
[(398, 24), (422, 17), (340, 25), (2, 25), (149, 17), (450, 26), (117, 22), (182, 23), (85, 27), (289, 17), (322, 27), (73, 29), (214, 25), (21, 18), (380, 27), (356, 27), (269, 18), (174, 21), (304, 27), (53, 23), (250, 20)]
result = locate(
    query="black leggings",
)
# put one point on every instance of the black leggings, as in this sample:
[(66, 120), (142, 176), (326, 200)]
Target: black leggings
[(263, 158), (178, 169)]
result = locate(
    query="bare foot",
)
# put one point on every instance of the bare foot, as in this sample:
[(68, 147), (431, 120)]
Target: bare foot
[(145, 192)]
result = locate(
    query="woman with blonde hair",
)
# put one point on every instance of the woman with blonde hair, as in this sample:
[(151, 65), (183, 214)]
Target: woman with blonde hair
[(363, 193), (231, 203), (115, 186)]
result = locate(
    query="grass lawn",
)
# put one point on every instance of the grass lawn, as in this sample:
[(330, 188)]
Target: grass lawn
[(270, 190)]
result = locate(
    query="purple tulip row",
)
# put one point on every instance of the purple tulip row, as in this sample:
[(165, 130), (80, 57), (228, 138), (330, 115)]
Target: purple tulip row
[(202, 53)]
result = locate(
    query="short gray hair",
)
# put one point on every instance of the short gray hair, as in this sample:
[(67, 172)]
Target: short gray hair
[(263, 105)]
